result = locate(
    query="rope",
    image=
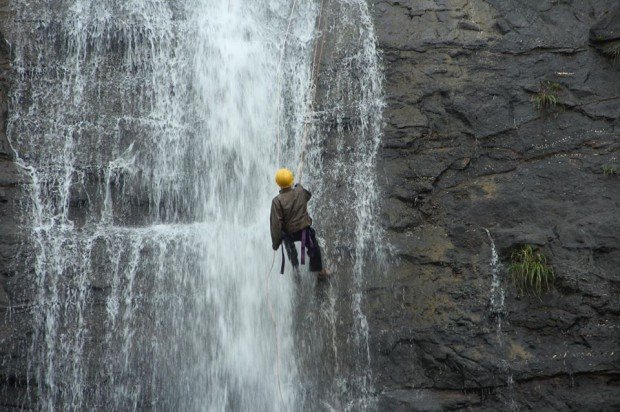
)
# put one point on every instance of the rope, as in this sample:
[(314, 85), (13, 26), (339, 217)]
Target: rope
[(317, 56), (315, 71), (316, 66), (273, 319), (279, 80)]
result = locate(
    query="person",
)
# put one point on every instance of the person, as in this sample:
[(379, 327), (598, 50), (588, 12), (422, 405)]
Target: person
[(290, 222)]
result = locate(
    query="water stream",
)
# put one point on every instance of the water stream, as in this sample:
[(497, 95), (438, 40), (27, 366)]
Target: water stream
[(148, 130), (498, 311), (498, 296)]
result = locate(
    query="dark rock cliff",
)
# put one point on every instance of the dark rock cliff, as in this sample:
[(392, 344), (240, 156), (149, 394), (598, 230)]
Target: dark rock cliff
[(9, 175), (8, 171), (465, 148), (13, 318)]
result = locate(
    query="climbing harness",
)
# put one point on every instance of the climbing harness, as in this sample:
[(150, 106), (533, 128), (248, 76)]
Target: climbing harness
[(283, 259), (288, 243)]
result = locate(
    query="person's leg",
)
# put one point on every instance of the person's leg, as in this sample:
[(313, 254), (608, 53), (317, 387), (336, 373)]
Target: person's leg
[(291, 251), (296, 236), (316, 262)]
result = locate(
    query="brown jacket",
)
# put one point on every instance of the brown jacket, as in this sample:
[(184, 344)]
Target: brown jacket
[(289, 213)]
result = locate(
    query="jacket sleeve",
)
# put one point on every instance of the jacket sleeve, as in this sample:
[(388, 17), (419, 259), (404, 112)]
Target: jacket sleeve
[(275, 222), (306, 192)]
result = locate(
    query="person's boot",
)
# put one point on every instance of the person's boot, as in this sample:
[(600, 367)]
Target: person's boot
[(322, 275)]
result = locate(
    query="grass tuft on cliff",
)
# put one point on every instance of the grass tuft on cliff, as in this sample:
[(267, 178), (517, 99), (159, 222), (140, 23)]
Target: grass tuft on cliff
[(609, 171), (613, 50), (530, 272), (547, 95)]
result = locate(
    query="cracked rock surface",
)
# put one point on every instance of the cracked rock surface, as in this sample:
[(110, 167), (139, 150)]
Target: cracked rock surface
[(465, 148)]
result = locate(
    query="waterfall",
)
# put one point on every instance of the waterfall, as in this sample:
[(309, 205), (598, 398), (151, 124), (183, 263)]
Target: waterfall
[(341, 168), (498, 297), (147, 130), (498, 311)]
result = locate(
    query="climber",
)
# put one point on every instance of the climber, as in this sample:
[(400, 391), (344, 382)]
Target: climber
[(291, 223)]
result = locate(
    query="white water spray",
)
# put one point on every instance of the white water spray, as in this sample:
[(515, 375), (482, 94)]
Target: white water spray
[(498, 297), (498, 312), (341, 168), (147, 128)]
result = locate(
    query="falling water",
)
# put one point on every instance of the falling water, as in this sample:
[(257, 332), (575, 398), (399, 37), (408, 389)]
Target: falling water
[(341, 168), (497, 301), (147, 129), (498, 312)]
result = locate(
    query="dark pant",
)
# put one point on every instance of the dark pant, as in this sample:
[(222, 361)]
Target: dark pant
[(313, 249)]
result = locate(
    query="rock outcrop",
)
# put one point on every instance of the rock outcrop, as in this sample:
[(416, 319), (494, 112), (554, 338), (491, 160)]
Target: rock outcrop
[(467, 149)]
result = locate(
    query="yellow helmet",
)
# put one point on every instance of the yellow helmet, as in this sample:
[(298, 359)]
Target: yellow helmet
[(284, 178)]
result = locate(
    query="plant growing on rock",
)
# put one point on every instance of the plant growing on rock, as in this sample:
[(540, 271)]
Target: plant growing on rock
[(530, 272), (609, 170), (613, 50), (547, 95)]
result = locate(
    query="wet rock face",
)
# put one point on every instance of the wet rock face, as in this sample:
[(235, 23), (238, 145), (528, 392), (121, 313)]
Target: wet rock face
[(14, 318), (465, 147), (9, 175)]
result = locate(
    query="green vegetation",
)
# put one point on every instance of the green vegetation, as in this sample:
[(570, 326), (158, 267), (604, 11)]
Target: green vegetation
[(547, 95), (613, 50), (555, 86), (609, 170), (530, 271)]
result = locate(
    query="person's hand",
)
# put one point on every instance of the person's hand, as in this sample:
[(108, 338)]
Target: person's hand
[(275, 247)]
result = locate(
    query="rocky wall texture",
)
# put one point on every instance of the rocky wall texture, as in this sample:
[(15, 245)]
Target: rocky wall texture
[(466, 149), (14, 315), (9, 176)]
